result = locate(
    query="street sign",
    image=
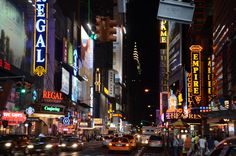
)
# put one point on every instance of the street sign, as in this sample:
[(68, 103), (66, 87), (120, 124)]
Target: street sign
[(181, 12)]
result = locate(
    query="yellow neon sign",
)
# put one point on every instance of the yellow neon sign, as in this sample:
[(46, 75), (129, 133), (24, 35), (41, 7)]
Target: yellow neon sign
[(209, 78), (163, 32)]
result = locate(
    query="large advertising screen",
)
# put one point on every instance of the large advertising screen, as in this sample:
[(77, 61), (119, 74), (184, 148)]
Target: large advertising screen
[(86, 65), (13, 36), (65, 81)]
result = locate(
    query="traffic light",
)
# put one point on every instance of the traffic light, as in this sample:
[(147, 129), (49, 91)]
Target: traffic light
[(20, 87), (110, 30), (105, 29), (100, 29), (93, 36)]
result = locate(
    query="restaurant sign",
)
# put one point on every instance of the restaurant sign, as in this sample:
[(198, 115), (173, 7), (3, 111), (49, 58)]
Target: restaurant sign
[(13, 118)]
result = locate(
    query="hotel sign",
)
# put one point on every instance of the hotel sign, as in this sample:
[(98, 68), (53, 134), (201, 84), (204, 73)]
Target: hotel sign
[(40, 37), (196, 71)]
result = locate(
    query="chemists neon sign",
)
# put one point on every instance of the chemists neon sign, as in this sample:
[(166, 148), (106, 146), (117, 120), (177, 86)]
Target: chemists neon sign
[(40, 37)]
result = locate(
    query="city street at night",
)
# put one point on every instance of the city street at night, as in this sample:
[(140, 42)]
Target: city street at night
[(118, 77)]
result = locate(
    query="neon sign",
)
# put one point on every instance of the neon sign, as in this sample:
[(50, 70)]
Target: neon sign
[(52, 109), (52, 95), (189, 89), (163, 32), (40, 37), (5, 65), (196, 71), (14, 118), (75, 62), (209, 79), (176, 115)]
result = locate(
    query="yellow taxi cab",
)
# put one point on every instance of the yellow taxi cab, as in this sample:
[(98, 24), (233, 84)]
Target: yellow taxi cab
[(132, 140), (119, 144)]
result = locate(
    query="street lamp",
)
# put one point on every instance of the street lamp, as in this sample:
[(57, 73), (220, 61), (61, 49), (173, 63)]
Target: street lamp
[(149, 106), (146, 90)]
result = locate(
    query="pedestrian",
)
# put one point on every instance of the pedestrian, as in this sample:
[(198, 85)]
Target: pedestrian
[(202, 145), (181, 145), (175, 145), (187, 144), (210, 143)]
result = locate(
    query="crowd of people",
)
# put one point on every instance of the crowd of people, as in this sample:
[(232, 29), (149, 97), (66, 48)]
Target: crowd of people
[(192, 145)]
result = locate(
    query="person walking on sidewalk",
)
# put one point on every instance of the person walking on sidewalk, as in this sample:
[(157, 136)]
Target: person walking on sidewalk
[(202, 145), (187, 143), (175, 145)]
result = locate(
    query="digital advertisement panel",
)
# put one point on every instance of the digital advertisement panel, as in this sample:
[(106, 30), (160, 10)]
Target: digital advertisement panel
[(14, 37), (86, 65), (74, 91), (65, 81)]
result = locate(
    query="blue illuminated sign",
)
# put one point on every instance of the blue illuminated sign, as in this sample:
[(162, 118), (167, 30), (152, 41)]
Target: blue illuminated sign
[(66, 119), (40, 37), (75, 62)]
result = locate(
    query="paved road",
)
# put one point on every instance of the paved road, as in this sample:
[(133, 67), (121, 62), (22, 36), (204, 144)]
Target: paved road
[(94, 148)]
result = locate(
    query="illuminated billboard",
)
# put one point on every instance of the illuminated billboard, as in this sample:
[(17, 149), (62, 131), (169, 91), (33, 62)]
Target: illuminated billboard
[(15, 37), (40, 37), (209, 79)]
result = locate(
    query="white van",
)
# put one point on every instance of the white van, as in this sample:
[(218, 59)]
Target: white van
[(147, 131)]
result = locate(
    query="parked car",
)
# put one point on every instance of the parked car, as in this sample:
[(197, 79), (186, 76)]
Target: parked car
[(106, 140), (155, 141), (71, 144), (119, 144), (132, 140), (48, 145), (11, 144), (226, 147)]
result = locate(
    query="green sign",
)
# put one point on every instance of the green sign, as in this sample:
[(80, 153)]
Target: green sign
[(52, 109)]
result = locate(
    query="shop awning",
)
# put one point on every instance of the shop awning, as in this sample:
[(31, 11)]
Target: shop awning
[(84, 105)]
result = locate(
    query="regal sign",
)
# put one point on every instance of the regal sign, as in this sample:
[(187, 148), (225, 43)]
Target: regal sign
[(40, 37), (52, 96)]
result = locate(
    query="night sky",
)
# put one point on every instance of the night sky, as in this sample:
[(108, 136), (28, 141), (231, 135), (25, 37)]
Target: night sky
[(143, 28)]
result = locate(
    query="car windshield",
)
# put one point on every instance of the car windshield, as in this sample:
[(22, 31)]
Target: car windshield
[(70, 139), (45, 139), (129, 137), (122, 139), (153, 137)]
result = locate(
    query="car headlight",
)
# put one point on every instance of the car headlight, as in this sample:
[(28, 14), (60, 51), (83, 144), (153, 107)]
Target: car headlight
[(75, 145), (48, 146), (62, 145), (8, 144), (30, 146), (138, 136)]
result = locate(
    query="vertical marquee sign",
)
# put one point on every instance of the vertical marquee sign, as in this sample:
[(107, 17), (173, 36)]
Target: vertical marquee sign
[(196, 71), (163, 32), (40, 37), (209, 79)]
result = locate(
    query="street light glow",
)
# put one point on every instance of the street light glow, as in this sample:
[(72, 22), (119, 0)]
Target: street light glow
[(146, 90)]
